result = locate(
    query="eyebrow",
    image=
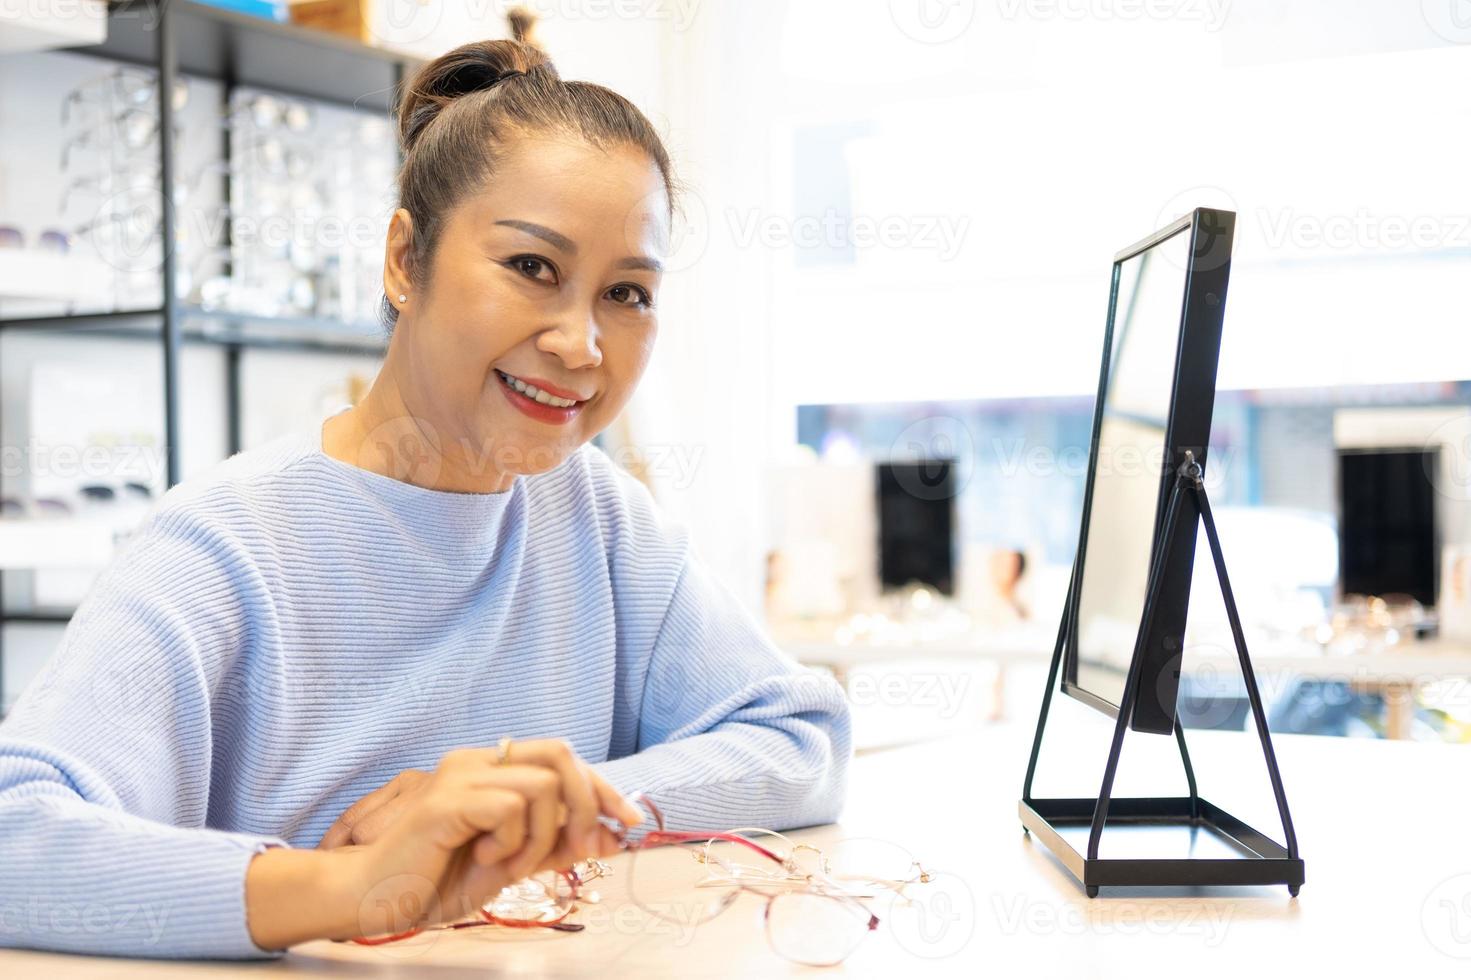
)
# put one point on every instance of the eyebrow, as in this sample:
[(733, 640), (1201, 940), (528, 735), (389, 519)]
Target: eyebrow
[(565, 244)]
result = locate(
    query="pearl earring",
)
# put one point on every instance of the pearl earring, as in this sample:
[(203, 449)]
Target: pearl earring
[(402, 298)]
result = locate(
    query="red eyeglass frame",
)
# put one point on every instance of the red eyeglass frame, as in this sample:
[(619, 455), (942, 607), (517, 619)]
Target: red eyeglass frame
[(654, 838)]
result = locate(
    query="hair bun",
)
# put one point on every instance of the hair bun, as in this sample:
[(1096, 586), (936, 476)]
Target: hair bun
[(469, 68)]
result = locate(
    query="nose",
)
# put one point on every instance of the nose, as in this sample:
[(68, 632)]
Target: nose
[(575, 340)]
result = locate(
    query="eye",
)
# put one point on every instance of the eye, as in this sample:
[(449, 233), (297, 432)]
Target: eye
[(621, 292), (531, 266)]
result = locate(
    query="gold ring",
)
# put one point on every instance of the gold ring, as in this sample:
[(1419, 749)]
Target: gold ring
[(503, 751)]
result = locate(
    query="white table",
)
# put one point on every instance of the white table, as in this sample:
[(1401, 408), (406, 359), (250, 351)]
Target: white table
[(1381, 824)]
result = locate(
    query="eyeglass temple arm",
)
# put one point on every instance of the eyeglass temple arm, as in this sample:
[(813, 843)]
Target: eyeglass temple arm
[(654, 838)]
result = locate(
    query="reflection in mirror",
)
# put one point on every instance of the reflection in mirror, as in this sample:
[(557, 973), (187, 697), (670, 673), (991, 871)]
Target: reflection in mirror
[(1129, 463)]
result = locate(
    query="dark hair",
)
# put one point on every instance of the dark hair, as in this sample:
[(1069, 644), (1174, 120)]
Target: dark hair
[(460, 110)]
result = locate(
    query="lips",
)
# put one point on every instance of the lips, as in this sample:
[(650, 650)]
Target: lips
[(542, 385), (530, 407)]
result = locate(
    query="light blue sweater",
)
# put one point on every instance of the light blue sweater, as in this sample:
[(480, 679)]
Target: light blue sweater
[(288, 632)]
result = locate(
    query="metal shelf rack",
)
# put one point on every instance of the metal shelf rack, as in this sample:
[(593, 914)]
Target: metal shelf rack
[(174, 37)]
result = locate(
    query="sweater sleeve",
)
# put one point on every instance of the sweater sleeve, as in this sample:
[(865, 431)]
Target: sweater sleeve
[(732, 731), (105, 763)]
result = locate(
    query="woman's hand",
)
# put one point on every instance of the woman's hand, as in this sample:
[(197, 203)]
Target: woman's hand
[(452, 841), (584, 797)]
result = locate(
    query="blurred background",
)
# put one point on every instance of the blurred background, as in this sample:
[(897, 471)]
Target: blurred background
[(872, 395)]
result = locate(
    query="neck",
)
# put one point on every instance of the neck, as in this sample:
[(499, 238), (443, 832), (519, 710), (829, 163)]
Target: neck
[(385, 433)]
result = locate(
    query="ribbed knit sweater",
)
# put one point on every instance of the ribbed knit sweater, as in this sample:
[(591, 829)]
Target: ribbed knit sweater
[(289, 632)]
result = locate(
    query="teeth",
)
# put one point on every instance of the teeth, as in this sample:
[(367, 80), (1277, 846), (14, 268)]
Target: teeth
[(535, 394)]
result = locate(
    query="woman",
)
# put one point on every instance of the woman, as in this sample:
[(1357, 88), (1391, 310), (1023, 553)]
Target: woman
[(329, 640)]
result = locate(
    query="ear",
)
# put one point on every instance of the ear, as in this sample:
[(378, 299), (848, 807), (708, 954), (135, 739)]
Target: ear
[(396, 257)]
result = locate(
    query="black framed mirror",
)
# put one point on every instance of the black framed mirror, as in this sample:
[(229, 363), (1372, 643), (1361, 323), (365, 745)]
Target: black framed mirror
[(1156, 393)]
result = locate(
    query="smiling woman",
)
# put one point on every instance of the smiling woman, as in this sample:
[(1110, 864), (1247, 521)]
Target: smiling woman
[(521, 274), (362, 678)]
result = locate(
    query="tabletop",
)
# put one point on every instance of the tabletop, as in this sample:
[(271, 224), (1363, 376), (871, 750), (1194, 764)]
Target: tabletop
[(1381, 828)]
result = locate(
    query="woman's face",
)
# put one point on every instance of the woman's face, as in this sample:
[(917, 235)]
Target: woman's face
[(544, 277)]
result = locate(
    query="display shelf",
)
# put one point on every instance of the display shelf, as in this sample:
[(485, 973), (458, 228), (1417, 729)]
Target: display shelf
[(244, 50), (184, 37), (221, 327), (39, 617)]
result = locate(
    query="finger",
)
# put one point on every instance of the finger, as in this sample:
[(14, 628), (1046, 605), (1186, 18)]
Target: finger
[(458, 815), (577, 789), (489, 850), (480, 883), (541, 825), (608, 843), (341, 830), (541, 788), (613, 803), (372, 826)]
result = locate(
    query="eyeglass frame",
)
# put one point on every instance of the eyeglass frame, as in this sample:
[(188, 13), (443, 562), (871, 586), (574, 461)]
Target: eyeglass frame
[(574, 878), (826, 887), (660, 836)]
